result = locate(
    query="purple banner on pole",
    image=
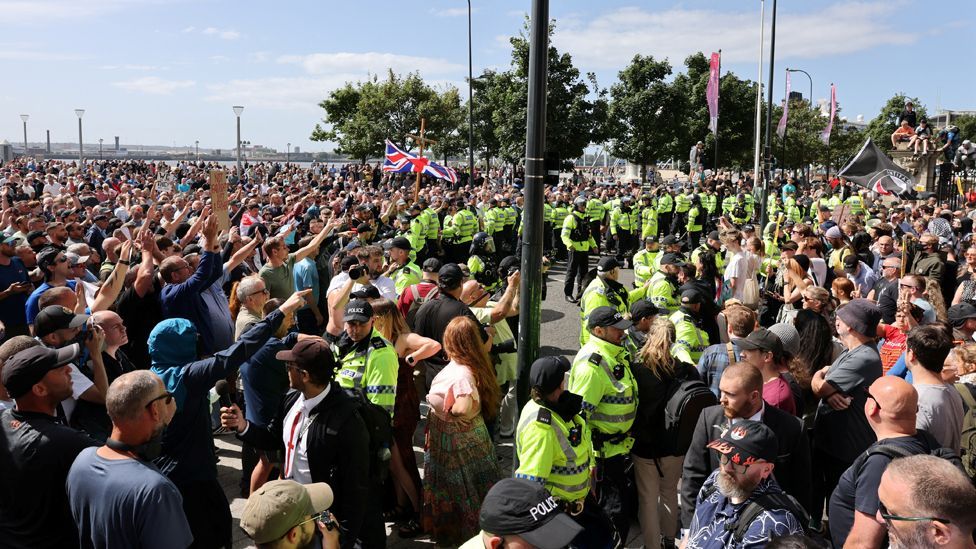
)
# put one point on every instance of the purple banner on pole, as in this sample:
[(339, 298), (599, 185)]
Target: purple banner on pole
[(781, 127), (711, 93)]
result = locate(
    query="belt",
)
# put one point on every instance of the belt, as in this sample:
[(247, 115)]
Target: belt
[(573, 508)]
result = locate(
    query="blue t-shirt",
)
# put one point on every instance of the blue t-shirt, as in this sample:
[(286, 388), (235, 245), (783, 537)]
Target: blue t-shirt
[(31, 307), (125, 503), (12, 309), (306, 276)]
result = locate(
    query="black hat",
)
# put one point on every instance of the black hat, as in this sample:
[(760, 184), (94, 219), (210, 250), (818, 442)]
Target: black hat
[(747, 442), (690, 297), (28, 367), (650, 239), (35, 234), (46, 256), (605, 316), (850, 264), (607, 264), (347, 262), (862, 315), (401, 243), (748, 228), (641, 309), (358, 310), (366, 292), (714, 235), (669, 240), (960, 312), (310, 354), (450, 276), (672, 259), (432, 265), (547, 373), (763, 340), (55, 317), (525, 508)]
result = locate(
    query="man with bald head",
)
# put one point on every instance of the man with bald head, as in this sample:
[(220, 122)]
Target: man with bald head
[(890, 409)]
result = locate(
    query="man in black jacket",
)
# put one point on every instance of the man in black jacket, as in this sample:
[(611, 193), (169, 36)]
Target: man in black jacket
[(741, 398), (325, 439)]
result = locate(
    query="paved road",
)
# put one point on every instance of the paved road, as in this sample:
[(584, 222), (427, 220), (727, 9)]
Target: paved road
[(560, 335)]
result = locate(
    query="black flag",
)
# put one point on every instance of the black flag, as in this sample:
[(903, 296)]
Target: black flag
[(872, 169)]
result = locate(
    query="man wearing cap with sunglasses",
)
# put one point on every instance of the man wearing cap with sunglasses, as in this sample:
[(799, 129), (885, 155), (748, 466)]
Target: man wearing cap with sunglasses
[(38, 450), (741, 504), (324, 436), (117, 498), (54, 264), (284, 514), (605, 290), (601, 375), (521, 514)]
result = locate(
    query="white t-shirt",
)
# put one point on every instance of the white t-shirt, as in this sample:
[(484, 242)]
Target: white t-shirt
[(79, 384), (54, 189), (740, 267)]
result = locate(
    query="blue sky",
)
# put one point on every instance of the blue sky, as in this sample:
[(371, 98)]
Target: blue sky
[(168, 71)]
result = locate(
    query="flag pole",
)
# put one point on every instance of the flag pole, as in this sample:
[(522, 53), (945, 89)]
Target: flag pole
[(768, 149), (762, 31), (719, 95)]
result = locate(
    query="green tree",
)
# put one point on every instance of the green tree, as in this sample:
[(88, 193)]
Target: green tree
[(576, 107), (882, 126), (640, 110), (360, 116), (967, 126), (486, 89)]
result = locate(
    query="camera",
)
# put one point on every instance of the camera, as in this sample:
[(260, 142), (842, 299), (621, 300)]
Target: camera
[(356, 273)]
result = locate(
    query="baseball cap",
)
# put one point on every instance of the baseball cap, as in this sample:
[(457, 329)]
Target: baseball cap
[(35, 234), (432, 265), (690, 297), (55, 317), (358, 310), (450, 276), (521, 507), (748, 442), (47, 256), (547, 373), (672, 259), (14, 240), (607, 264), (650, 239), (75, 259), (401, 243), (959, 312), (605, 316), (928, 311), (850, 264), (763, 340), (714, 235), (280, 505), (28, 367), (669, 240), (366, 292), (308, 354), (643, 308)]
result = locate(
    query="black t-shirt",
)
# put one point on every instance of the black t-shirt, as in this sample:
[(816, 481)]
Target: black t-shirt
[(38, 452), (886, 294), (140, 314), (431, 321), (861, 493)]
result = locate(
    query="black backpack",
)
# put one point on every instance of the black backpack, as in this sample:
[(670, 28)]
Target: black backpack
[(378, 425), (686, 398), (765, 502), (968, 394), (892, 451)]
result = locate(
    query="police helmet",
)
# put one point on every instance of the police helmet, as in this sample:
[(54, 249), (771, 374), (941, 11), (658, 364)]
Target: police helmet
[(482, 242)]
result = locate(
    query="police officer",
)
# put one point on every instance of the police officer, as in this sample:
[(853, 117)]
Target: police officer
[(481, 261), (605, 290), (644, 261), (596, 213), (367, 362), (449, 232), (648, 217), (663, 287), (560, 210), (642, 314), (624, 222), (690, 341), (601, 375), (695, 223), (682, 203), (671, 245), (465, 225), (401, 269), (406, 229), (433, 220), (665, 207), (713, 244), (579, 243)]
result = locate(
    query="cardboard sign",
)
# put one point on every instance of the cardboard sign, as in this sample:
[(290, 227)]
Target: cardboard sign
[(218, 198)]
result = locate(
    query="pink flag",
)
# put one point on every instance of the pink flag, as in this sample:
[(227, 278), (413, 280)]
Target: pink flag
[(711, 93), (825, 136), (781, 127)]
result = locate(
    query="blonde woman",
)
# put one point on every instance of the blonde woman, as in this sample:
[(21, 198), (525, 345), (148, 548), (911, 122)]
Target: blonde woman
[(657, 460), (411, 348), (796, 278), (963, 359)]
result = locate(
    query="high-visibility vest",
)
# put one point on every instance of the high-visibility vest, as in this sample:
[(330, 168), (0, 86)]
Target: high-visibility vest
[(550, 454)]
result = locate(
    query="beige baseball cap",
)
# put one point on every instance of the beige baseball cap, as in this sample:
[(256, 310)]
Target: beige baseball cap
[(280, 505)]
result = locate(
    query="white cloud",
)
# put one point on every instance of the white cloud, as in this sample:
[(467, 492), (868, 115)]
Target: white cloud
[(219, 58), (260, 56), (24, 51), (612, 39), (369, 62), (154, 85), (452, 12), (20, 11), (222, 33), (129, 67), (189, 29)]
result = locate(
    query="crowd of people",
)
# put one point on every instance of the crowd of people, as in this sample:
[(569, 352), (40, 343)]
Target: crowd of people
[(807, 383)]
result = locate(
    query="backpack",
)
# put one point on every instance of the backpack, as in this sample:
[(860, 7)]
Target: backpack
[(765, 502), (378, 425), (685, 401), (418, 301), (892, 452), (968, 457)]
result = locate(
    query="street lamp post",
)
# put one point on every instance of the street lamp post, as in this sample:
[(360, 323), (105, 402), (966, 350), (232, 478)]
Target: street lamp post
[(768, 149), (99, 148), (24, 118), (196, 145), (81, 140), (806, 168), (287, 153), (237, 112), (470, 104)]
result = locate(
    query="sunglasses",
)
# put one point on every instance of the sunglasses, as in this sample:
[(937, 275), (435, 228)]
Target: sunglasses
[(167, 395), (888, 517), (737, 468), (261, 291)]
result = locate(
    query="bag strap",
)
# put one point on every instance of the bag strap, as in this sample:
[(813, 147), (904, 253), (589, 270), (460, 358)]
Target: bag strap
[(966, 391), (415, 292), (730, 350), (765, 502)]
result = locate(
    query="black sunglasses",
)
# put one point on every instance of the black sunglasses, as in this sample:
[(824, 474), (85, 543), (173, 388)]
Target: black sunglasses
[(888, 517), (869, 395), (167, 395)]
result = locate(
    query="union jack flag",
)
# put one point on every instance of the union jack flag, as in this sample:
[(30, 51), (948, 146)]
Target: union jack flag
[(400, 161)]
